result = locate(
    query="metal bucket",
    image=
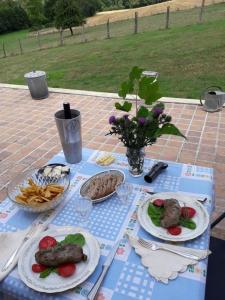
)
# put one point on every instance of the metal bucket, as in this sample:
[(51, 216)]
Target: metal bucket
[(212, 99), (70, 135), (150, 74), (36, 81)]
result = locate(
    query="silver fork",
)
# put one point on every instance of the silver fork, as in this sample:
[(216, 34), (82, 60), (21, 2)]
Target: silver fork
[(12, 257), (152, 246)]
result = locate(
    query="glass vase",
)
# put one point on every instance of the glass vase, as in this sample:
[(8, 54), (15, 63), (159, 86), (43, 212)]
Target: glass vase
[(135, 159)]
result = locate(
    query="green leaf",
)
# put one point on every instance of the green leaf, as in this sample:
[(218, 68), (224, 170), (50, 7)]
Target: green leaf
[(126, 87), (148, 90), (168, 129), (126, 106), (155, 213), (142, 112), (135, 73), (156, 220), (46, 272), (77, 239), (188, 223)]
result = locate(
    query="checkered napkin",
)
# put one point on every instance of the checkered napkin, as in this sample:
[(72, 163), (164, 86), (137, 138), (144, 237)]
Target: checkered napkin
[(9, 242), (164, 265)]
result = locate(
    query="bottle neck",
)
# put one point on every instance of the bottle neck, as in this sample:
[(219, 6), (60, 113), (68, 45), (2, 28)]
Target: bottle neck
[(67, 110)]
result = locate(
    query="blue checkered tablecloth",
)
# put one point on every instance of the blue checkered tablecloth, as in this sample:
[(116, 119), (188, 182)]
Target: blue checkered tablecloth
[(127, 279)]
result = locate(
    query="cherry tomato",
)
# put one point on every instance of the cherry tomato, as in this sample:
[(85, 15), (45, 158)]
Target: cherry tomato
[(174, 230), (188, 212), (158, 202), (47, 242), (38, 268), (66, 270)]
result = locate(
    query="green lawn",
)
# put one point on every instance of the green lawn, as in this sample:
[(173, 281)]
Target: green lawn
[(189, 58)]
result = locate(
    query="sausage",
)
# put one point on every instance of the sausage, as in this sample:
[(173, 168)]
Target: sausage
[(171, 214), (60, 254)]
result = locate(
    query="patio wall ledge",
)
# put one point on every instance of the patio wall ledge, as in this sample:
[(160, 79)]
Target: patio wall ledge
[(102, 94)]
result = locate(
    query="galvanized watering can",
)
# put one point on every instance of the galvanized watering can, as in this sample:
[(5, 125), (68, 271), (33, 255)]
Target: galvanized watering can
[(212, 99)]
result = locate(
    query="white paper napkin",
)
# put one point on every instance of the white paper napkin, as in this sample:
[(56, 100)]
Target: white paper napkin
[(9, 242), (164, 265)]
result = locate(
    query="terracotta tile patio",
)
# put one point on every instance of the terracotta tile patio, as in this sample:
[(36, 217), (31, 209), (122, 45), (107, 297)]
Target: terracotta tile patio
[(28, 135)]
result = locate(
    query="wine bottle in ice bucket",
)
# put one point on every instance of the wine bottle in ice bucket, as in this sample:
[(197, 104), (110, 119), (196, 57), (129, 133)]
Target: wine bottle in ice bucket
[(68, 122)]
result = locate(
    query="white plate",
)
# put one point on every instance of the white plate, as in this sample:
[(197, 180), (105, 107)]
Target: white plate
[(55, 283), (86, 184), (201, 218)]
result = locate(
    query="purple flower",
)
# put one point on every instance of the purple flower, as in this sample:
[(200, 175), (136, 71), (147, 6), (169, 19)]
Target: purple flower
[(125, 117), (157, 111), (112, 120), (141, 120)]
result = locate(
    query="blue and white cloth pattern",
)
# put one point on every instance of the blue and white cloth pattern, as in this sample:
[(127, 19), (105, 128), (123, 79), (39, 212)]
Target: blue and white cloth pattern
[(127, 279)]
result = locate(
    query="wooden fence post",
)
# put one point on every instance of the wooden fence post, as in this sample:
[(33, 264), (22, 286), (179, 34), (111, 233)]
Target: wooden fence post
[(21, 48), (108, 30), (61, 41), (201, 11), (167, 17), (84, 40), (3, 48), (39, 40), (136, 22)]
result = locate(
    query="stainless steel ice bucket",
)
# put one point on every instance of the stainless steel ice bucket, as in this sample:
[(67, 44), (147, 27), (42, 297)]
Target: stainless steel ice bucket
[(70, 135)]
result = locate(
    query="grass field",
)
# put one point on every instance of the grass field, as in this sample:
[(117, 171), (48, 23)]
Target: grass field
[(30, 42), (189, 58), (149, 10)]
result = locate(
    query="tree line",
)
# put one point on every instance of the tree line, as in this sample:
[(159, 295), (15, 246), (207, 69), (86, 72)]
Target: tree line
[(36, 14)]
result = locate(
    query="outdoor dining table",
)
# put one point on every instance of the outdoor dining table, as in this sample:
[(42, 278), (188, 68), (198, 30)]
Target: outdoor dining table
[(127, 278)]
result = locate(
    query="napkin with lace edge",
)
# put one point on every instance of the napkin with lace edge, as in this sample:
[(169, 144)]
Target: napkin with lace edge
[(9, 241), (164, 265)]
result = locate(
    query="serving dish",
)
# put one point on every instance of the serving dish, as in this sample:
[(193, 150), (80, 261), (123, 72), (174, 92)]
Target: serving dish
[(201, 218), (55, 283), (54, 171), (87, 185), (22, 181)]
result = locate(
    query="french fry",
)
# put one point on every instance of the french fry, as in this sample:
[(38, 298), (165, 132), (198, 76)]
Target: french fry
[(34, 195)]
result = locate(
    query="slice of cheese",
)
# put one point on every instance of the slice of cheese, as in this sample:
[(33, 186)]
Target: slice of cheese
[(105, 160)]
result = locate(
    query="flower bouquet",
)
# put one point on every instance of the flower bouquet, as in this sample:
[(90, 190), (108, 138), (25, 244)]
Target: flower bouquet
[(146, 124)]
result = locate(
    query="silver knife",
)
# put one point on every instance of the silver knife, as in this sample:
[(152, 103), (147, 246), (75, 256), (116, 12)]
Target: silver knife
[(105, 268)]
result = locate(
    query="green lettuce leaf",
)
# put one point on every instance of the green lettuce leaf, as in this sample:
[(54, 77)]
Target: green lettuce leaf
[(155, 213), (47, 272), (77, 239), (188, 223)]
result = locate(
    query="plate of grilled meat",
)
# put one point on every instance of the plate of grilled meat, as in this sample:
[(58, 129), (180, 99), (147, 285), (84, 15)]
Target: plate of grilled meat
[(58, 259), (173, 216)]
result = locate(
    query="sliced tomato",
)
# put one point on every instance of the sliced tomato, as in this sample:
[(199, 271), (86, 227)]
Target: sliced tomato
[(188, 212), (38, 268), (47, 242), (174, 230), (159, 202), (66, 270)]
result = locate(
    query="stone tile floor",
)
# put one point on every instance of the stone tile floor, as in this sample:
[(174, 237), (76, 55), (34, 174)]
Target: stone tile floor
[(28, 136)]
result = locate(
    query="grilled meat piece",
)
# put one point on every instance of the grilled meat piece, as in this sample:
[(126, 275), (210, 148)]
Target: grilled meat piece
[(60, 254), (171, 214)]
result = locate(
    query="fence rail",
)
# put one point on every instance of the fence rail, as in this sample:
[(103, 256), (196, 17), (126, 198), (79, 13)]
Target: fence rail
[(84, 34)]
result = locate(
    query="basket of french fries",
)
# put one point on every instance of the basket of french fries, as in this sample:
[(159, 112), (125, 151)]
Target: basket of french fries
[(35, 193)]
